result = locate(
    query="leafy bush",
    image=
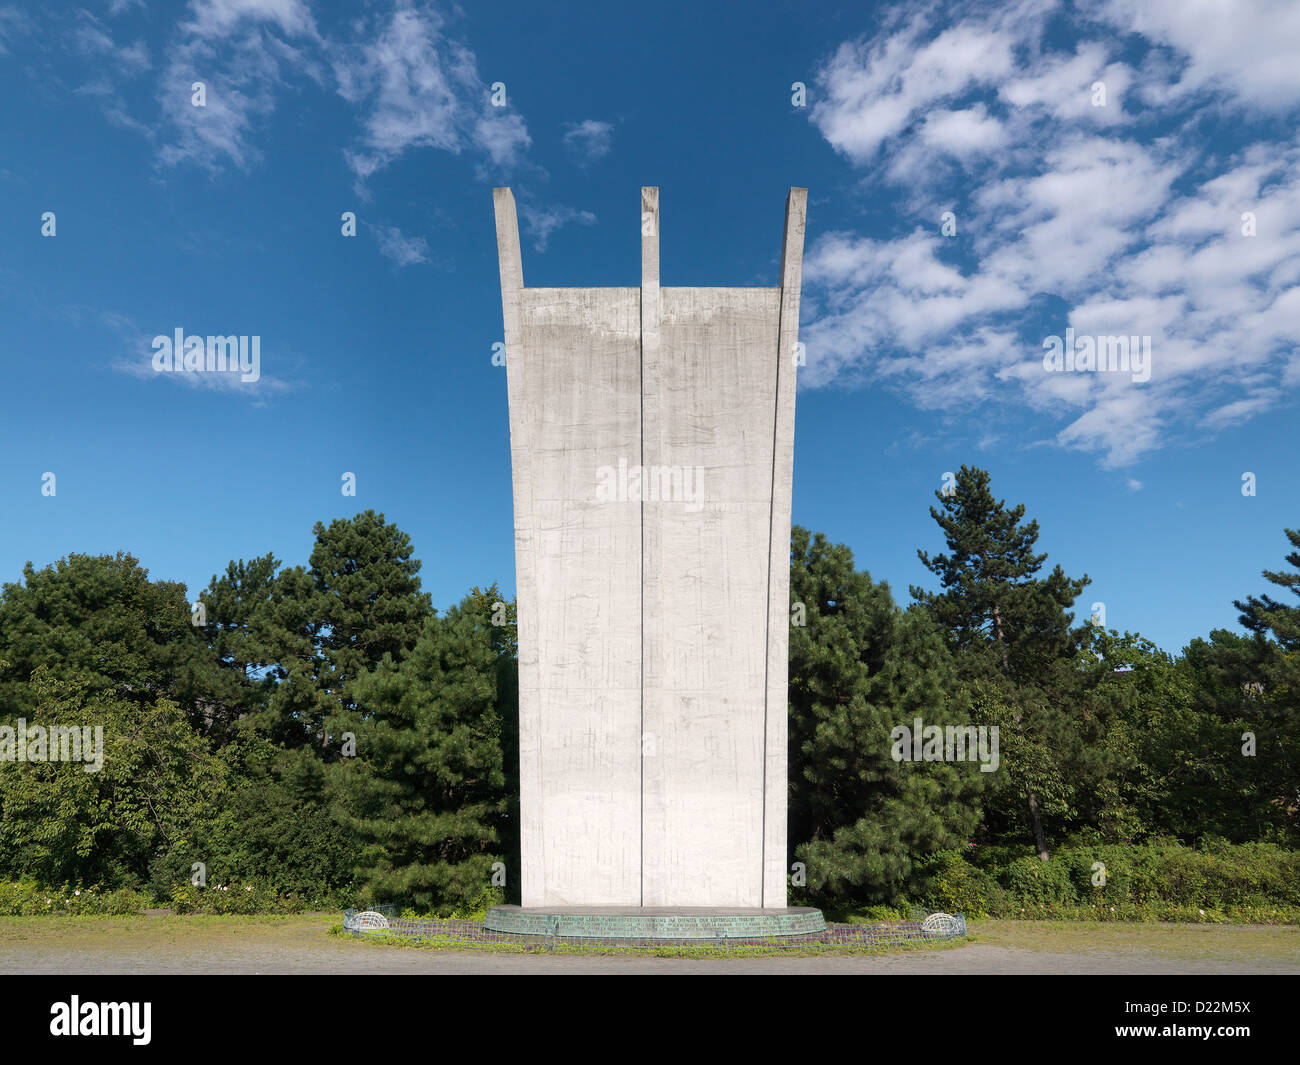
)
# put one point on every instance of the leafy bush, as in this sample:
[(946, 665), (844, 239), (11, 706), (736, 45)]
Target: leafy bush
[(25, 898), (1162, 880), (238, 899), (1035, 881), (956, 886), (471, 910)]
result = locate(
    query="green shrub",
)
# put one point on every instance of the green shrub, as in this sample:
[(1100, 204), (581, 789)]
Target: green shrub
[(870, 915), (1042, 883), (237, 899), (954, 885), (26, 898), (1159, 880)]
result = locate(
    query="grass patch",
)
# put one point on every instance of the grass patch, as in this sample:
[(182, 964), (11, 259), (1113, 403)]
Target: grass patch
[(1181, 941)]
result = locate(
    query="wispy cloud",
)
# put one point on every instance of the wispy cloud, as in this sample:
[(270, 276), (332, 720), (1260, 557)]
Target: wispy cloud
[(401, 249), (13, 24), (236, 50), (135, 359), (1245, 50), (589, 140), (411, 85), (1059, 201), (419, 88), (92, 39), (541, 222), (220, 18)]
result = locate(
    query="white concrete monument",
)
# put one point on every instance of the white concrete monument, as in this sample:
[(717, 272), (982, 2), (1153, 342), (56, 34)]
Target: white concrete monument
[(652, 450)]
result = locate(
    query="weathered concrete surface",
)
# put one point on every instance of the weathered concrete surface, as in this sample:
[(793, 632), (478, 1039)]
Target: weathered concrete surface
[(653, 628), (705, 644)]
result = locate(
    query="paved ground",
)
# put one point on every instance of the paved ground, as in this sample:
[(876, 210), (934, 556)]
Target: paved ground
[(302, 945)]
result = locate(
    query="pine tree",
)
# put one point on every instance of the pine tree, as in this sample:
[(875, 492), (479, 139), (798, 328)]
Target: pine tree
[(235, 624), (426, 791), (1011, 629), (1266, 616), (372, 604), (862, 822), (367, 603), (504, 617), (262, 623), (1249, 689)]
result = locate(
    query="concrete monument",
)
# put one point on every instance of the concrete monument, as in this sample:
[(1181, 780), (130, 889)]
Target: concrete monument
[(652, 452)]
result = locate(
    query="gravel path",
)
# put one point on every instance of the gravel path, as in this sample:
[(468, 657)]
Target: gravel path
[(300, 945)]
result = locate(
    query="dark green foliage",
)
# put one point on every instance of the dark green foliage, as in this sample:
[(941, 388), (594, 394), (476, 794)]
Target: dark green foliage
[(1242, 698), (275, 829), (322, 737), (1270, 618), (426, 791), (993, 605), (102, 619), (159, 787), (859, 667), (369, 600), (504, 619), (262, 628), (1011, 631), (1159, 879)]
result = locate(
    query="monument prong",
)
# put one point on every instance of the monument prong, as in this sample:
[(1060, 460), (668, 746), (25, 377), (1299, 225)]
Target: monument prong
[(775, 724), (530, 746)]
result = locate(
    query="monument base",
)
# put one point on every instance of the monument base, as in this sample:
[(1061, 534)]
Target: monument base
[(655, 922)]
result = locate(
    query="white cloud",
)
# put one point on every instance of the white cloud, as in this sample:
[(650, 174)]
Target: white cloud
[(542, 222), (589, 140), (411, 85), (1062, 86), (138, 363), (1241, 410), (871, 91), (92, 39), (1248, 48), (1058, 201), (238, 96), (964, 133), (423, 90), (219, 18), (13, 23), (503, 135), (403, 250), (241, 72)]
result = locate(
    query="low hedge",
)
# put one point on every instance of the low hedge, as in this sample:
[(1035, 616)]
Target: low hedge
[(25, 898), (1155, 881), (242, 899)]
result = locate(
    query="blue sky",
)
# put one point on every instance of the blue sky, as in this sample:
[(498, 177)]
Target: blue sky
[(925, 348)]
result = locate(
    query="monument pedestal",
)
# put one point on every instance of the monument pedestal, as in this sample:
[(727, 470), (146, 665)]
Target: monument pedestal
[(655, 922)]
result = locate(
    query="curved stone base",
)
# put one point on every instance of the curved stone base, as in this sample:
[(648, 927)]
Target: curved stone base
[(654, 922)]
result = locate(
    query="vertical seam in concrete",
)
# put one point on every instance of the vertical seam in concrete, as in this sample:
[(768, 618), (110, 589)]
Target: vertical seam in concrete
[(650, 311), (640, 402), (767, 602)]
